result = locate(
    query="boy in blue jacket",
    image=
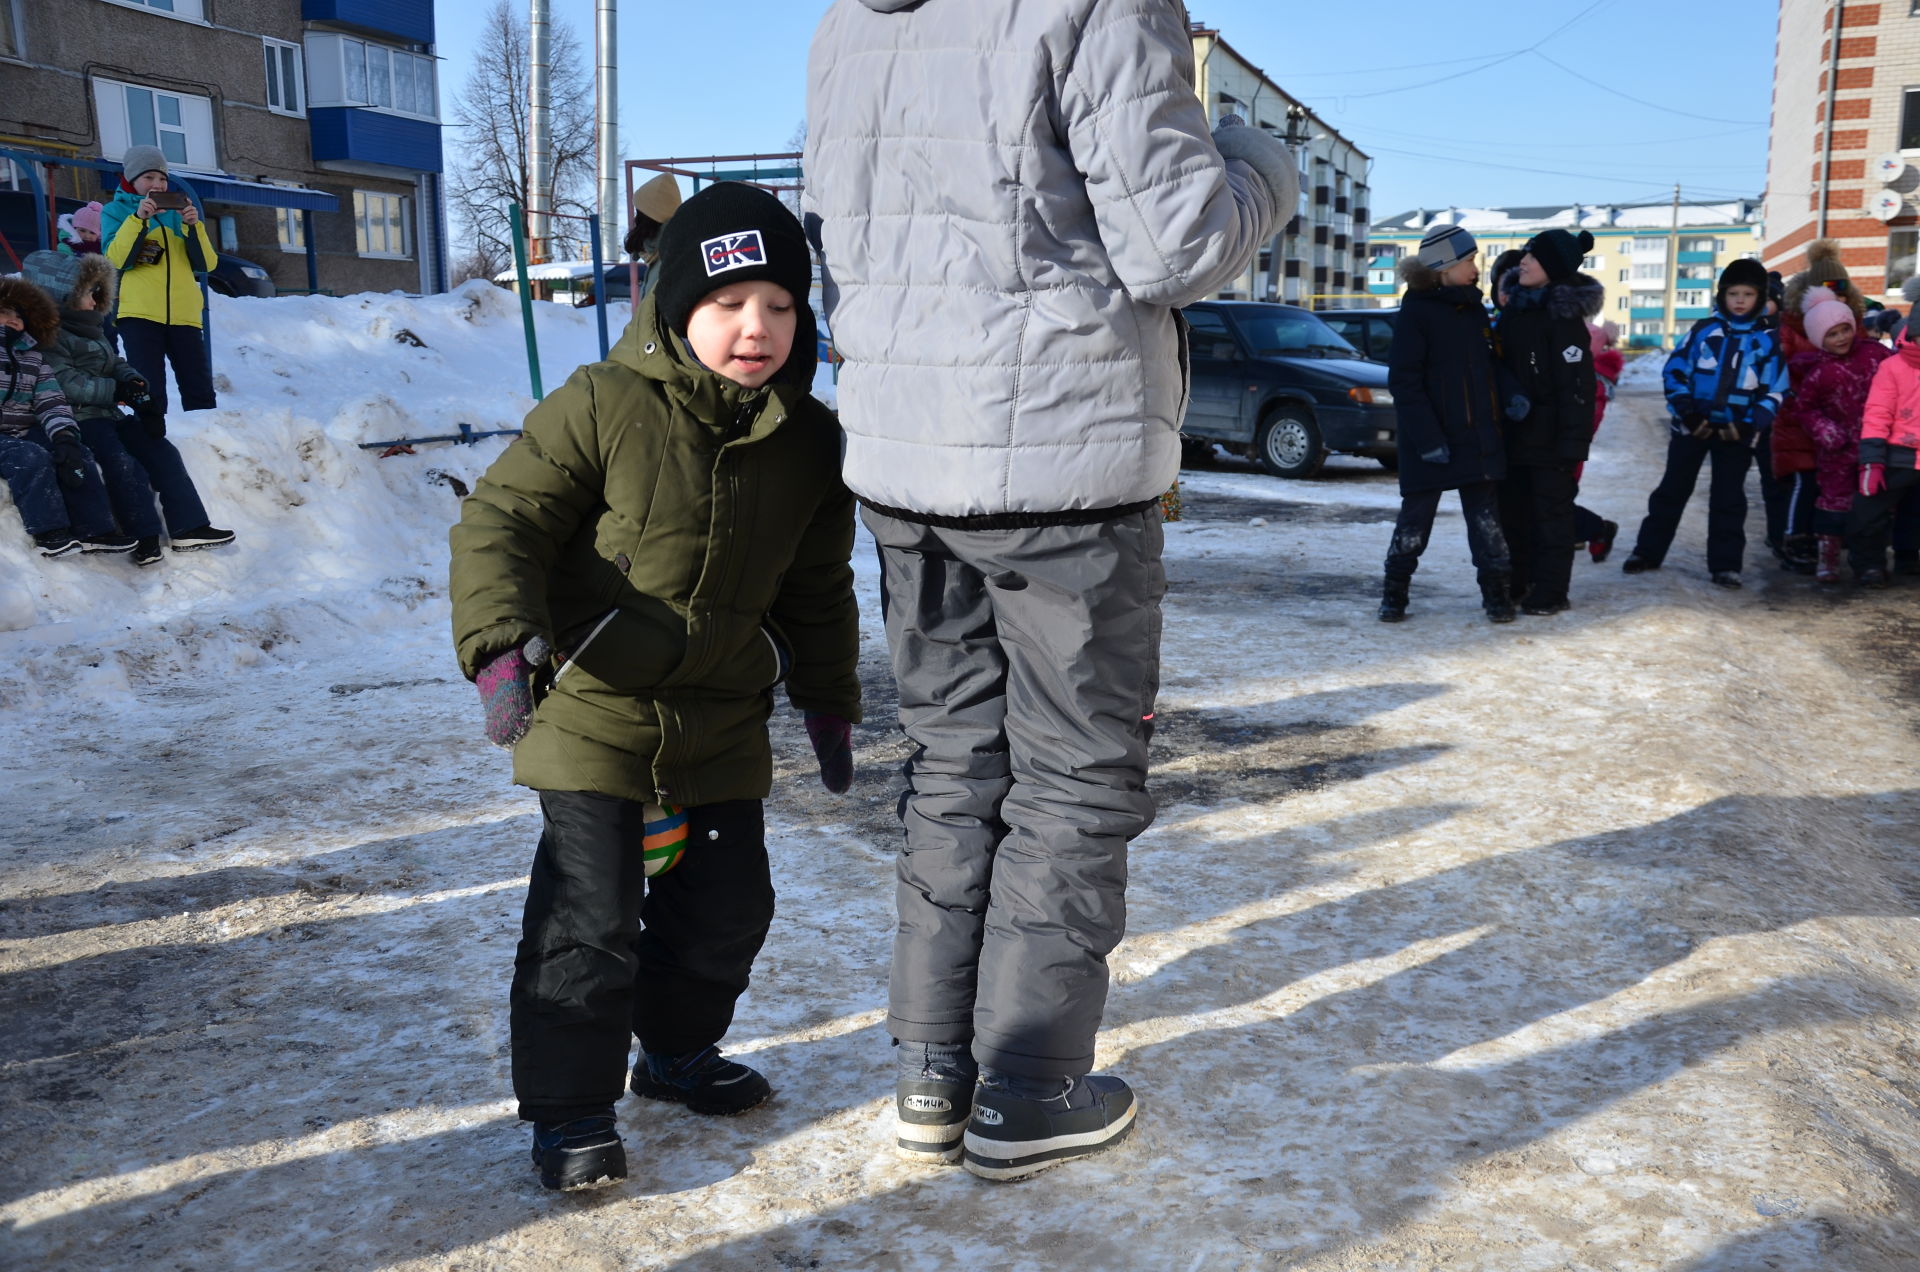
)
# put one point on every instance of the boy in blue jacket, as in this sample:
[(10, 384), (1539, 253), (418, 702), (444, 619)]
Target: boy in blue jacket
[(1724, 383)]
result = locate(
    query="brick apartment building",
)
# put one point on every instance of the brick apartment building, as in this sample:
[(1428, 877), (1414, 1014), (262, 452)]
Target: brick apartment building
[(310, 129), (1844, 155)]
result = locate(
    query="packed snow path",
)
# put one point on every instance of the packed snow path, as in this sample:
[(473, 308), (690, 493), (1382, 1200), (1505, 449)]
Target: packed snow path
[(1586, 942)]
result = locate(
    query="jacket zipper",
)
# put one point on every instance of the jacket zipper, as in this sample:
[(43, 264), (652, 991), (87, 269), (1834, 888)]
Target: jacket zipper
[(581, 648)]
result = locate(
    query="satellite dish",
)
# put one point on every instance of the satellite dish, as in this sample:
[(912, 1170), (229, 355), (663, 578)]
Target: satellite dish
[(1890, 167), (1886, 205)]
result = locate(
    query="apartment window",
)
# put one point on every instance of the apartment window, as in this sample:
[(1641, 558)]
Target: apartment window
[(1624, 302), (380, 224), (180, 124), (1591, 262), (1696, 273), (1625, 274), (1910, 119), (1701, 245), (10, 42), (342, 71), (1903, 246), (286, 94), (1650, 272), (194, 9), (1649, 300), (1691, 300), (1648, 327), (293, 229)]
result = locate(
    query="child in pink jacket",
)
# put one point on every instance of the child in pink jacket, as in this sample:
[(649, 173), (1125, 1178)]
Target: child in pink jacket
[(1889, 440), (1833, 377)]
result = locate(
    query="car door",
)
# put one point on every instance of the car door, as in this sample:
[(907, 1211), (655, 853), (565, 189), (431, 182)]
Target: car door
[(1214, 409)]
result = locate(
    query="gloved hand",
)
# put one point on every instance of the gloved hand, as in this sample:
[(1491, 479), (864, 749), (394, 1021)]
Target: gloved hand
[(1438, 455), (506, 690), (134, 393), (832, 740), (1697, 426), (71, 460), (1519, 406), (1268, 156), (1873, 479)]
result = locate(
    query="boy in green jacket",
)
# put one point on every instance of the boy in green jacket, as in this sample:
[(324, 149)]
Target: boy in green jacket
[(666, 544)]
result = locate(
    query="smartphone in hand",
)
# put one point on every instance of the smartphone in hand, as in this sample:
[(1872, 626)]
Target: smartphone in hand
[(170, 200)]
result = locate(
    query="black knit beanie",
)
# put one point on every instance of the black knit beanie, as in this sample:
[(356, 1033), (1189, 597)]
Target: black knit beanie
[(1560, 252), (1745, 272), (730, 232)]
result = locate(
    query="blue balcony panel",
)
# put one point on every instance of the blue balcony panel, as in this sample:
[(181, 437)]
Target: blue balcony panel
[(1692, 315), (350, 134), (407, 20), (1654, 312), (1695, 258)]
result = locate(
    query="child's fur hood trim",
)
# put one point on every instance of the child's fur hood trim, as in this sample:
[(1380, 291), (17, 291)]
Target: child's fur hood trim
[(1581, 296), (1416, 276), (97, 275), (35, 307)]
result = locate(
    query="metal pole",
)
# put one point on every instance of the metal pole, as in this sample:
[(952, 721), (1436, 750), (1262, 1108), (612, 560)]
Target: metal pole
[(599, 285), (1668, 305), (526, 296), (539, 152), (1833, 88), (313, 256), (606, 106)]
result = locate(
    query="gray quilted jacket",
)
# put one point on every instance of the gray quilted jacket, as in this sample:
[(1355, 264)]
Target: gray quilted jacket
[(1011, 197)]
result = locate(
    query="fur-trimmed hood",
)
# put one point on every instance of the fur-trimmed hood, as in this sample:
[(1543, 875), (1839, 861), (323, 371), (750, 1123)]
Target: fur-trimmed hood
[(1581, 296), (35, 307), (1416, 276), (98, 276)]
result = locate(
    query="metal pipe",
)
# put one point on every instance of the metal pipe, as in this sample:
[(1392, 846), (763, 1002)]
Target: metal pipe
[(607, 108), (539, 152), (599, 286), (1833, 87), (526, 297)]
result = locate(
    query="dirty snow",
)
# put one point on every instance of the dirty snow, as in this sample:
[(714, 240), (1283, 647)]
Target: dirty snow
[(1583, 943)]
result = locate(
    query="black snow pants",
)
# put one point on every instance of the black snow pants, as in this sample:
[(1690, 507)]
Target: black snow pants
[(1873, 516), (605, 957), (1027, 661), (1536, 510), (1479, 504), (1726, 500)]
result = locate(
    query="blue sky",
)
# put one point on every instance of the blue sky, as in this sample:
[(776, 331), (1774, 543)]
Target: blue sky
[(1415, 83)]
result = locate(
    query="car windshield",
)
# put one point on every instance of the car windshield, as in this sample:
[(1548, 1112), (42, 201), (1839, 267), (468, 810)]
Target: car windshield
[(1291, 332)]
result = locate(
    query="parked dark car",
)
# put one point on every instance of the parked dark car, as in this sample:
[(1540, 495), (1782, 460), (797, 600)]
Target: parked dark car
[(1368, 330), (233, 276), (1279, 385)]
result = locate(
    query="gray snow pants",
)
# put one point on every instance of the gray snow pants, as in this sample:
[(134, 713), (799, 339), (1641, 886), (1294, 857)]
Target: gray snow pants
[(1027, 662)]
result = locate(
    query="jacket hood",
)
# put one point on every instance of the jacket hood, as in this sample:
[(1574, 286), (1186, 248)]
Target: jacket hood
[(1579, 297), (35, 307), (1418, 277)]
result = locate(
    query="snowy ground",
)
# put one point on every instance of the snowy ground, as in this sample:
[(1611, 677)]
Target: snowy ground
[(1584, 943)]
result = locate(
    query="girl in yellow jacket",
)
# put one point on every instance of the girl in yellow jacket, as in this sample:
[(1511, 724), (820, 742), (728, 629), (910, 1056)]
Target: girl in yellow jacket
[(159, 250)]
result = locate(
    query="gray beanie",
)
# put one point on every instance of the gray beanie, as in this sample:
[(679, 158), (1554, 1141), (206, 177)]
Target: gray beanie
[(142, 159), (1445, 246), (1911, 290)]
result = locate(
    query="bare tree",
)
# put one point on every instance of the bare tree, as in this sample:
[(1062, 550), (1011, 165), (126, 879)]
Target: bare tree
[(490, 110)]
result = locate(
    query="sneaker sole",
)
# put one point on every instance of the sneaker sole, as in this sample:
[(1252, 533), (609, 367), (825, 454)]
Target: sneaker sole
[(937, 1144), (196, 547), (1017, 1159), (674, 1095), (104, 549), (50, 553)]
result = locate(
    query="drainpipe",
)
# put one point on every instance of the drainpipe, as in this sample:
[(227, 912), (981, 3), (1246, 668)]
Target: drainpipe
[(539, 154), (1833, 88), (612, 233)]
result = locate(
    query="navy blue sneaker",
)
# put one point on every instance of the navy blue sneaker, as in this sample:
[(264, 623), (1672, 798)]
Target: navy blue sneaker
[(1013, 1136), (583, 1153), (703, 1080)]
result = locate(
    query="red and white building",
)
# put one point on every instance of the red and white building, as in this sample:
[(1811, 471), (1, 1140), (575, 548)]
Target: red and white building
[(1843, 161)]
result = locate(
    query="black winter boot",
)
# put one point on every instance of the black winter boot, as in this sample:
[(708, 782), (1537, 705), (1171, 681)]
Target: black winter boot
[(1495, 599), (583, 1153), (1393, 600)]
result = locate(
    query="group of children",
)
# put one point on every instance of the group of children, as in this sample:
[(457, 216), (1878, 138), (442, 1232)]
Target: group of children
[(1792, 373), (83, 445)]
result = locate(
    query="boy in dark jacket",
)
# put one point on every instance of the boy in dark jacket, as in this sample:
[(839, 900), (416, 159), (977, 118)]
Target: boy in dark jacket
[(133, 452), (631, 580), (1543, 343), (42, 459), (1724, 385), (1441, 375)]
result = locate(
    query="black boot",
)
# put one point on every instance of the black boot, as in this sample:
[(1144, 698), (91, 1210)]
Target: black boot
[(583, 1153), (1393, 600), (1495, 598)]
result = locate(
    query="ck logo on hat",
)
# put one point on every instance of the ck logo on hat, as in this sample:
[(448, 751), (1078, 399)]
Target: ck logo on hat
[(733, 251)]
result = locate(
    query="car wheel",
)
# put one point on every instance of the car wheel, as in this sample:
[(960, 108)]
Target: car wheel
[(1288, 443), (1390, 462)]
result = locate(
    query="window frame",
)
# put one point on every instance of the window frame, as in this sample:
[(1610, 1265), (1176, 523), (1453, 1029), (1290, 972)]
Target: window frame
[(329, 56), (290, 228), (1912, 254), (197, 9), (361, 238), (122, 123), (1909, 124), (269, 47), (16, 27)]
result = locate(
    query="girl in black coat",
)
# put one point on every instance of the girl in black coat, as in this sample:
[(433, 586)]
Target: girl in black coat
[(1441, 373), (1543, 344)]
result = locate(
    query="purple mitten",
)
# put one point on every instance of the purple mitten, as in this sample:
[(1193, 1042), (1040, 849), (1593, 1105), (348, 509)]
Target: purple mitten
[(832, 740), (506, 690)]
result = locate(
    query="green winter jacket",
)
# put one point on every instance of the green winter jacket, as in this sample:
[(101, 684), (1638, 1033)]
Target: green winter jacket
[(91, 372), (684, 544)]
